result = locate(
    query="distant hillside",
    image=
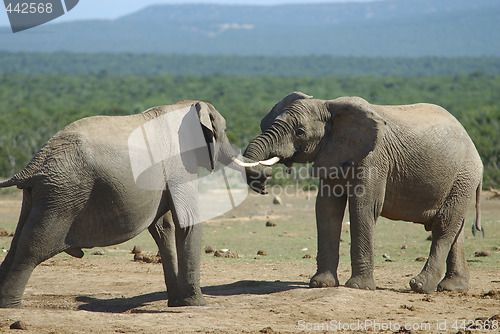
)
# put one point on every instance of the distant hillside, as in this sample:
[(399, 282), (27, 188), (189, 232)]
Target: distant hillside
[(404, 28)]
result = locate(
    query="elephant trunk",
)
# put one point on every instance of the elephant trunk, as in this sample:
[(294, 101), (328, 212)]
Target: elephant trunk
[(259, 155)]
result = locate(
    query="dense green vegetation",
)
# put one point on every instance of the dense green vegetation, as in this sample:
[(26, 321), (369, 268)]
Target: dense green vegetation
[(199, 65), (34, 107)]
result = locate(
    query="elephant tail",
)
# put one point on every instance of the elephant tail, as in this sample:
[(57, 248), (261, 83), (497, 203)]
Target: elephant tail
[(476, 226), (24, 177), (8, 183), (18, 180)]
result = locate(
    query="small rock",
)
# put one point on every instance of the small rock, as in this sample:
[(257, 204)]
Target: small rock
[(227, 254), (428, 298), (386, 256), (3, 233), (304, 249), (482, 254), (147, 259), (277, 200), (307, 256), (409, 308), (98, 252), (137, 250), (420, 259), (271, 223), (404, 247), (18, 325), (151, 258), (261, 252), (210, 249), (267, 330), (493, 294)]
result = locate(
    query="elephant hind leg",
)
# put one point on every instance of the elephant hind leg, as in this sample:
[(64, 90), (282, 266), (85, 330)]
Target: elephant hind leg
[(23, 217), (457, 273), (36, 243), (447, 243)]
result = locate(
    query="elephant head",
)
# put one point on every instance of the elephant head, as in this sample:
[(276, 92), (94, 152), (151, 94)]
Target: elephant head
[(332, 134), (214, 130)]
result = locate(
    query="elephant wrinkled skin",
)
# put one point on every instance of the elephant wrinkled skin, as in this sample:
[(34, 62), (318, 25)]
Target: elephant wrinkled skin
[(414, 163), (79, 192)]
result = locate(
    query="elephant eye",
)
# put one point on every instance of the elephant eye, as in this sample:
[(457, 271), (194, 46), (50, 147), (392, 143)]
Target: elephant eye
[(300, 132)]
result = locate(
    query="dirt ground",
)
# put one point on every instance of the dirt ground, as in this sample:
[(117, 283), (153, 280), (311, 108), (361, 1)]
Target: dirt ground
[(114, 294)]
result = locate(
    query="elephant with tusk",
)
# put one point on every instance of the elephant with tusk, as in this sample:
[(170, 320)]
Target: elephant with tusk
[(102, 180), (413, 163)]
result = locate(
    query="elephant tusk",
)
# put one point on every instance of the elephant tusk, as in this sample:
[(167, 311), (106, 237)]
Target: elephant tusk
[(269, 162), (244, 164)]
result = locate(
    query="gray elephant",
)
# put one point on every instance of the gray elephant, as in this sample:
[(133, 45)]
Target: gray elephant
[(102, 180), (413, 163)]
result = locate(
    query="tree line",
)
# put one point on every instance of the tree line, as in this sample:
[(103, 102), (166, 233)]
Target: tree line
[(202, 65), (35, 107)]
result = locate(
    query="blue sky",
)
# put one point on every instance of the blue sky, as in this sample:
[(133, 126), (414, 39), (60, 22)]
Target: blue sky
[(112, 9)]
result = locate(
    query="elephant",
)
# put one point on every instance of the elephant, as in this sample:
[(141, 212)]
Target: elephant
[(414, 163), (102, 180)]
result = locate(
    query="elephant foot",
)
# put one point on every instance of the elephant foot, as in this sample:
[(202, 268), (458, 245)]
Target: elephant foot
[(456, 283), (195, 300), (10, 303), (423, 283), (361, 282), (323, 280)]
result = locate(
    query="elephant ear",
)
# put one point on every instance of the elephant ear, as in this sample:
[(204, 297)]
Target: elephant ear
[(208, 129), (278, 108), (354, 131)]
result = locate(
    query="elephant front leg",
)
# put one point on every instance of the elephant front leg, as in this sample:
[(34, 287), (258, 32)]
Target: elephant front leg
[(188, 242), (329, 215), (163, 232)]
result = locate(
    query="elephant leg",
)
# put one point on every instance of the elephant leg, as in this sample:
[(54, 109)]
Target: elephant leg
[(457, 273), (363, 212), (36, 244), (23, 217), (188, 242), (329, 214), (446, 229), (163, 232)]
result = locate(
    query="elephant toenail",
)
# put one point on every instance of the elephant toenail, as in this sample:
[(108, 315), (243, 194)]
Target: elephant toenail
[(420, 285), (413, 281)]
